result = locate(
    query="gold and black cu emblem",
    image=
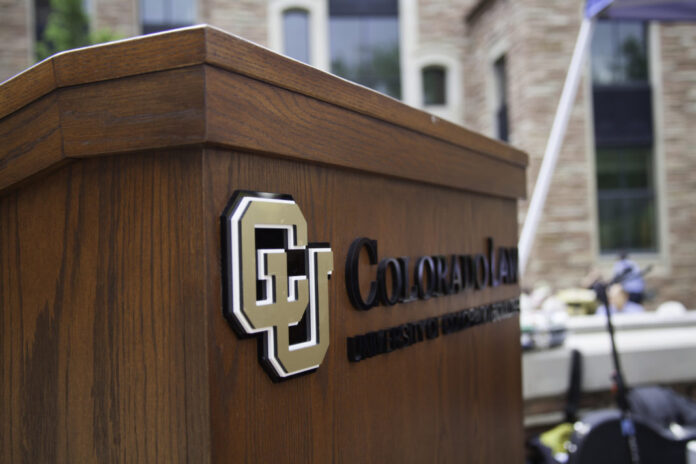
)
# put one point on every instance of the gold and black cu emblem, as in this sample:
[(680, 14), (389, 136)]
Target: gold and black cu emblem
[(275, 283)]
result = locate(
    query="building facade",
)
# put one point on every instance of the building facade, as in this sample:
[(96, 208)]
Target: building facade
[(626, 175)]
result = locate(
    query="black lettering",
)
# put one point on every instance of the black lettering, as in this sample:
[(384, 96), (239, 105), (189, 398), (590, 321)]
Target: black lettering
[(353, 277), (456, 276), (433, 328), (503, 267), (481, 272), (425, 262), (371, 344), (383, 342), (384, 265), (417, 330), (406, 335), (395, 340), (445, 324), (353, 353), (408, 292), (491, 260), (468, 272), (513, 260), (442, 271)]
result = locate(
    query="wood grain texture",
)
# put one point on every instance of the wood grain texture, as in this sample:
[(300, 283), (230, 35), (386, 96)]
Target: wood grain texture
[(102, 351), (31, 141), (240, 56), (26, 87), (453, 399), (251, 115), (131, 57), (149, 111), (86, 77)]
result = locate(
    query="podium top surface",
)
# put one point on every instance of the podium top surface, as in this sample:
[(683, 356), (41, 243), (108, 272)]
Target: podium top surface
[(169, 89)]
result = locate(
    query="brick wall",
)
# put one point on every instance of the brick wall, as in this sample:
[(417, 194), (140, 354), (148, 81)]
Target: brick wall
[(15, 37)]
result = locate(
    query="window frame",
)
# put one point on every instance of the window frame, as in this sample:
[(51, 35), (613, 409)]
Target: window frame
[(443, 57), (318, 28), (497, 51), (141, 22), (661, 258)]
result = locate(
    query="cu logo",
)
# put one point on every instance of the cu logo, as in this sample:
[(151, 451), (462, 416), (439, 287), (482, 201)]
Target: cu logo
[(275, 283)]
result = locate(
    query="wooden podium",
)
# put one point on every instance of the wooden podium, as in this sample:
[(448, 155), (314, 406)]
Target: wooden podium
[(118, 165)]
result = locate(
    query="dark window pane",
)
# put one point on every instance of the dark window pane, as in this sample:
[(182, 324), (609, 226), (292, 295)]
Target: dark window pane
[(365, 43), (42, 8), (434, 85), (502, 121), (364, 8), (625, 196), (619, 53), (501, 99), (624, 168), (627, 221), (296, 34), (623, 115), (162, 15)]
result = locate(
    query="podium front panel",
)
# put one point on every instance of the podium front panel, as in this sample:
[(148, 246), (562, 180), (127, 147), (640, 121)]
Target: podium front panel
[(452, 398)]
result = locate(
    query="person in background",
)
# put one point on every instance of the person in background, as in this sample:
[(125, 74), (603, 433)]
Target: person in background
[(619, 302), (630, 277)]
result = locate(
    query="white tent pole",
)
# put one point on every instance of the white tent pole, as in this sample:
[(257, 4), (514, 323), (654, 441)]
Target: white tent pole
[(553, 146)]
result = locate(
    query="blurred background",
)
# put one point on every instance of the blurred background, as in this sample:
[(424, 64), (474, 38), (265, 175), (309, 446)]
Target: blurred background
[(625, 182)]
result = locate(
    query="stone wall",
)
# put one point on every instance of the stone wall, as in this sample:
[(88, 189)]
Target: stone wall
[(678, 75), (487, 33), (120, 17), (538, 38), (546, 34), (245, 18), (441, 21), (16, 37)]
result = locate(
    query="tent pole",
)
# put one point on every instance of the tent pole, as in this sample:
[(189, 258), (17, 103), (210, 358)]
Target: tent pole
[(553, 146)]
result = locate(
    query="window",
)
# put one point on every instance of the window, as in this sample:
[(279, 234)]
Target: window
[(42, 8), (434, 85), (364, 43), (296, 34), (623, 128), (501, 99), (161, 15)]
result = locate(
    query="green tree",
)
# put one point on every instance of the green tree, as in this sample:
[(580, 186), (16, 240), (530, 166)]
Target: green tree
[(67, 27)]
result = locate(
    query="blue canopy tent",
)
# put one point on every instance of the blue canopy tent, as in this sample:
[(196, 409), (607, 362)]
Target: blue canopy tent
[(643, 10)]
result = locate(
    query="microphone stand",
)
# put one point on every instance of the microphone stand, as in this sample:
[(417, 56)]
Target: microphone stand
[(628, 429)]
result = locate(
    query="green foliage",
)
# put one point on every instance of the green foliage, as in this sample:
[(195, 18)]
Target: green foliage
[(67, 27)]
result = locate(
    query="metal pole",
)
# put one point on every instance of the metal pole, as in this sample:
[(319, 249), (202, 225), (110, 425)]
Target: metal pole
[(553, 146)]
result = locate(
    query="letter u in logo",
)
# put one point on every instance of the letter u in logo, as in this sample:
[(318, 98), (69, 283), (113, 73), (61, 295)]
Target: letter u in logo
[(275, 283)]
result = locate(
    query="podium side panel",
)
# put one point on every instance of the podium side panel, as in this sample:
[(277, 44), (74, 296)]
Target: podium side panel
[(103, 346), (456, 398)]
